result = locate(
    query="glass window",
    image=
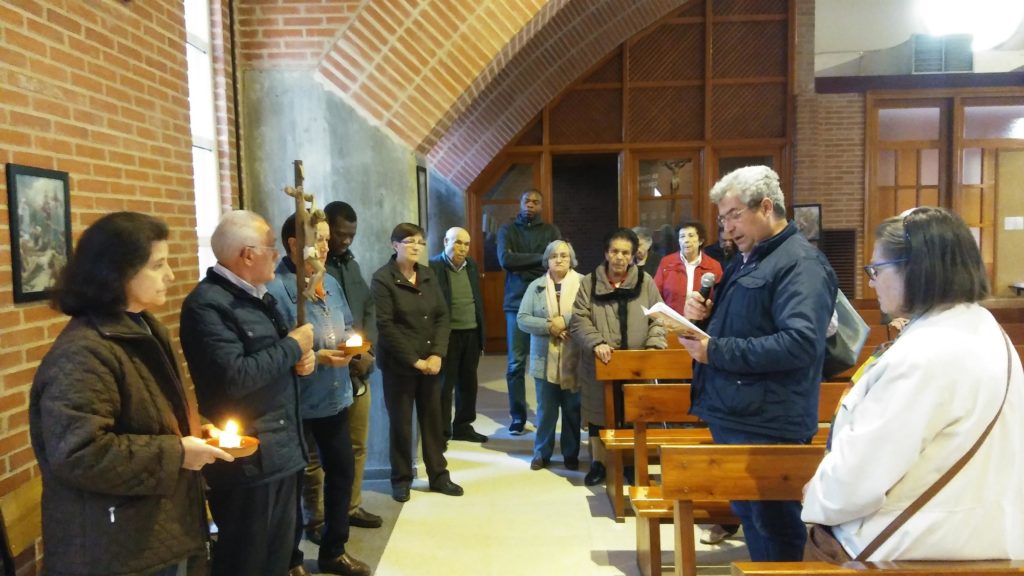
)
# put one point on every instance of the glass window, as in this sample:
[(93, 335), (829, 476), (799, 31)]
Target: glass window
[(202, 120), (994, 122), (887, 168), (971, 171), (896, 124)]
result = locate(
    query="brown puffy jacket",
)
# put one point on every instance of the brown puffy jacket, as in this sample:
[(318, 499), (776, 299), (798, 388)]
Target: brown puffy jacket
[(107, 412)]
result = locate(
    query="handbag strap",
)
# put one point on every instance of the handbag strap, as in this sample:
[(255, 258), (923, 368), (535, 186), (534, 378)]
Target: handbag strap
[(939, 484)]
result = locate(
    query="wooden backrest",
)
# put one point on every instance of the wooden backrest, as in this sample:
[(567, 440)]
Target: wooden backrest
[(657, 403), (903, 568), (828, 399), (646, 365), (21, 511), (737, 472)]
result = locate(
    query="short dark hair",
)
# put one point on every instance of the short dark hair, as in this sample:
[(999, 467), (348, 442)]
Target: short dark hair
[(702, 230), (339, 209), (287, 231), (622, 234), (531, 191), (405, 230), (108, 255), (941, 262)]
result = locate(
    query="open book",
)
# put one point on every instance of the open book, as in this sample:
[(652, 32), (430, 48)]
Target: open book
[(673, 321)]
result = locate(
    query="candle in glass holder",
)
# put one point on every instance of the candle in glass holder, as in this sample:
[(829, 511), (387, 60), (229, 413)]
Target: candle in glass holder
[(354, 342), (229, 438)]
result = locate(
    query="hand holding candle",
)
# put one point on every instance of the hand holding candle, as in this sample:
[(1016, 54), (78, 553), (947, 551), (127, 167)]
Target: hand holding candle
[(233, 443), (355, 345)]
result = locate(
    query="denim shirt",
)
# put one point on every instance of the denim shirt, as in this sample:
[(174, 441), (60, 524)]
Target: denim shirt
[(327, 391)]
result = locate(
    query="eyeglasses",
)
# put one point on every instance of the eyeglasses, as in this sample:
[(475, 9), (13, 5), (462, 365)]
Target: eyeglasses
[(872, 269), (408, 242), (732, 215)]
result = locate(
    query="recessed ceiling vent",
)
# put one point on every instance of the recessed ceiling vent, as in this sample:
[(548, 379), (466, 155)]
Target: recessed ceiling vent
[(938, 54)]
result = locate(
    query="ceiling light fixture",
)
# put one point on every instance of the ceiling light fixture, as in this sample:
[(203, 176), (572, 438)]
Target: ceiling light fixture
[(989, 22)]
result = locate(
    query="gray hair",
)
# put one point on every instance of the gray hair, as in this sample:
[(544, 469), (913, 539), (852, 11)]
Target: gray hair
[(751, 185), (551, 248), (236, 230), (643, 233)]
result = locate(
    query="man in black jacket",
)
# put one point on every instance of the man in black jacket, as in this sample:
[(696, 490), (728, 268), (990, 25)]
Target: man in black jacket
[(244, 362), (459, 278), (521, 245)]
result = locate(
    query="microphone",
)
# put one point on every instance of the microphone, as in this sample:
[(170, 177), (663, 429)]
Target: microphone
[(707, 282)]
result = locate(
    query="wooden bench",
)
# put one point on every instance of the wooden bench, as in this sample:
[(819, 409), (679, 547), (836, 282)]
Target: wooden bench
[(626, 365), (21, 512), (645, 404), (908, 568), (692, 476)]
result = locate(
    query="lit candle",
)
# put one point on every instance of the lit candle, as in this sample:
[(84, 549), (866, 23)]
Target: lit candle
[(354, 342), (229, 437)]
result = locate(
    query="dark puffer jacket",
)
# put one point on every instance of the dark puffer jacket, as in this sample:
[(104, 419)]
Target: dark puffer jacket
[(521, 245), (242, 364), (106, 413)]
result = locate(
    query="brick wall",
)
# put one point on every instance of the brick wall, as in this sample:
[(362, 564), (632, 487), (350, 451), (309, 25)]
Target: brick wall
[(97, 89), (290, 33)]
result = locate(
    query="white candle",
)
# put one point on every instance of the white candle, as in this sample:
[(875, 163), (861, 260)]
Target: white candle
[(229, 437), (354, 342)]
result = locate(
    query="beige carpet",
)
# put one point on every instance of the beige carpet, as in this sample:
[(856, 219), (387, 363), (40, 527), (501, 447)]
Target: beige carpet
[(512, 520)]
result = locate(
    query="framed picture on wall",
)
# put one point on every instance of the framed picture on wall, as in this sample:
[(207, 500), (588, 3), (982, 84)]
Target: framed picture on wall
[(807, 218), (39, 206), (421, 193)]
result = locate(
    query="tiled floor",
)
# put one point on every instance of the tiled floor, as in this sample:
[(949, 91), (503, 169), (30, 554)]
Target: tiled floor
[(512, 520)]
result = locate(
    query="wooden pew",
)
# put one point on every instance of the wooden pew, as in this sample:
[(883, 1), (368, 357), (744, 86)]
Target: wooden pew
[(694, 475), (21, 512), (635, 365), (909, 568), (654, 403)]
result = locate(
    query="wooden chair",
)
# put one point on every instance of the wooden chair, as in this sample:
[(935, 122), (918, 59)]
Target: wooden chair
[(914, 568), (21, 511), (694, 476), (626, 365)]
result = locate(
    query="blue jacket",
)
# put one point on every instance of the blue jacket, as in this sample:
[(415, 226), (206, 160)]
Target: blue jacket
[(767, 342), (242, 365), (327, 391), (521, 247)]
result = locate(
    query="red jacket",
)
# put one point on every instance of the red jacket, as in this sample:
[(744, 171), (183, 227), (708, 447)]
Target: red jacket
[(671, 278)]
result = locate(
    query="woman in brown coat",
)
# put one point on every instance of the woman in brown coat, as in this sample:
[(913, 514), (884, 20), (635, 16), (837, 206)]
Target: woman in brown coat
[(116, 433)]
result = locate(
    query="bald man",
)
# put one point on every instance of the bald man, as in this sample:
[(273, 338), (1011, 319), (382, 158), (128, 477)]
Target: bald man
[(459, 279), (245, 362)]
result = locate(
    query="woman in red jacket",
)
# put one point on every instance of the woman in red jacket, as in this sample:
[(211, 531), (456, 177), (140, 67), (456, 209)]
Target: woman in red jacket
[(679, 273)]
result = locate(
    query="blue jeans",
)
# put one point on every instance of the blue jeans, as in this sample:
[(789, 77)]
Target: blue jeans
[(515, 376), (773, 529), (551, 398)]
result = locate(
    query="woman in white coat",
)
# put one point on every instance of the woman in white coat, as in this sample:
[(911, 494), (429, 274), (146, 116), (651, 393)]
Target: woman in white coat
[(920, 406), (544, 313)]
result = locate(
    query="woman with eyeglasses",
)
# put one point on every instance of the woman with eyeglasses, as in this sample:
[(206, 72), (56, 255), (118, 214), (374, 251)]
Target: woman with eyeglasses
[(950, 384), (412, 319), (680, 273), (545, 313)]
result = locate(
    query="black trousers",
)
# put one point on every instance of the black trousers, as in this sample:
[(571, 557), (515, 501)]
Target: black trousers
[(402, 391), (256, 527), (334, 447), (458, 377)]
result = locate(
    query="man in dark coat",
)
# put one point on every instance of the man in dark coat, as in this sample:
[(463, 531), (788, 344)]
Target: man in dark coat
[(756, 379), (244, 362), (521, 245), (459, 278)]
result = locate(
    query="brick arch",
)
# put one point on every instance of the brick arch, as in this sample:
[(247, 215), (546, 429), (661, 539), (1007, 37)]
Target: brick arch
[(577, 37)]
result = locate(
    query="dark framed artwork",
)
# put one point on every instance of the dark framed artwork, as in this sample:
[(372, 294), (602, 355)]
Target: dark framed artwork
[(807, 218), (421, 193), (39, 206)]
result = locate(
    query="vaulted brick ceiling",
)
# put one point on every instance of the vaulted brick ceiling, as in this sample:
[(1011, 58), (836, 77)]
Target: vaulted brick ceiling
[(453, 79)]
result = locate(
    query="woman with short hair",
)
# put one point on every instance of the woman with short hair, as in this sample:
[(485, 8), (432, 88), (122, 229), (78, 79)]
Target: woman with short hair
[(607, 316), (115, 430), (680, 273), (545, 313), (919, 405), (412, 319)]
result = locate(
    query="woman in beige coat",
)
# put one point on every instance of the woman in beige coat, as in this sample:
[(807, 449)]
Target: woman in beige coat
[(607, 316)]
